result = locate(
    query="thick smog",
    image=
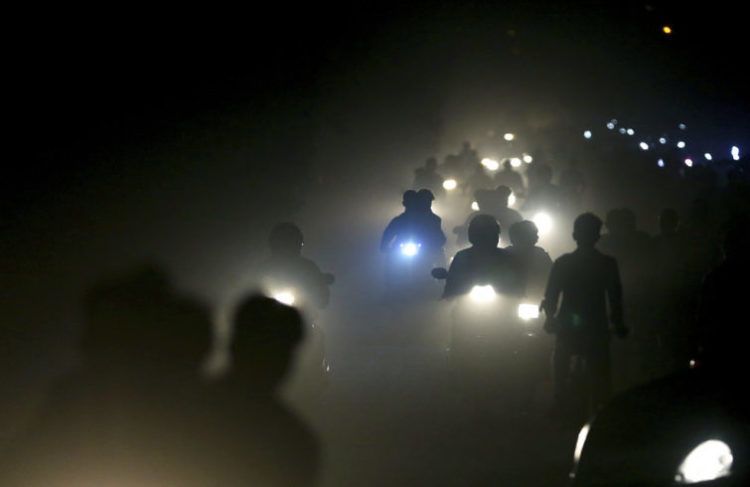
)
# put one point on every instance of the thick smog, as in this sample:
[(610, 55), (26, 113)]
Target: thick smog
[(438, 244)]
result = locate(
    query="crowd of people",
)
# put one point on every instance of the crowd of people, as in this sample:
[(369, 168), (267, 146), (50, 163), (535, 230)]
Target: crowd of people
[(138, 410)]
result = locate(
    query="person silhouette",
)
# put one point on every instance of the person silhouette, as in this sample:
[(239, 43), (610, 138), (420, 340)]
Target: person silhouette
[(131, 410), (483, 263), (428, 177), (588, 281), (257, 440), (533, 262)]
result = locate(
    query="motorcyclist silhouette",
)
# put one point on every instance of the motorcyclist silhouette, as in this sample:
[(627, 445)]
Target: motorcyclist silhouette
[(286, 267), (533, 262), (428, 177), (483, 262)]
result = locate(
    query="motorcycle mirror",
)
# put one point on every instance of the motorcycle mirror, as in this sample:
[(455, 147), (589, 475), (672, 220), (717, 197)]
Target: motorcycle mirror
[(329, 278), (439, 273)]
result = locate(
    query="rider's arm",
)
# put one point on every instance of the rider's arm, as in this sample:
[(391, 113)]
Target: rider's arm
[(552, 293), (456, 278), (388, 236)]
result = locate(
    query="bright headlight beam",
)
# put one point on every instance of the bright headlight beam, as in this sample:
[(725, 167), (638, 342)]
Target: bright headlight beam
[(490, 164), (450, 184), (587, 134), (482, 294), (735, 153), (285, 297), (410, 249), (528, 159), (708, 156), (610, 126), (512, 200), (543, 223), (662, 140), (681, 145), (509, 137), (643, 146), (708, 461), (631, 132), (660, 163), (475, 206), (689, 162), (515, 162), (528, 312)]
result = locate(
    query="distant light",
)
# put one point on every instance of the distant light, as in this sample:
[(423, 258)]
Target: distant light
[(735, 153), (613, 121), (622, 130), (285, 297), (666, 29), (610, 126), (482, 294), (511, 199), (662, 140), (528, 159), (692, 364), (660, 163), (708, 461), (689, 162), (528, 311), (450, 184), (491, 164), (509, 137), (631, 132), (643, 146), (581, 442), (708, 156), (515, 162), (410, 249), (543, 223), (587, 134), (475, 206), (681, 145), (682, 126)]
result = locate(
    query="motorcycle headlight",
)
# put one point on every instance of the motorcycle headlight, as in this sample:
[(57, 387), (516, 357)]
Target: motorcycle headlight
[(285, 297), (710, 460), (450, 184), (528, 312), (543, 223), (410, 249), (482, 294), (581, 442)]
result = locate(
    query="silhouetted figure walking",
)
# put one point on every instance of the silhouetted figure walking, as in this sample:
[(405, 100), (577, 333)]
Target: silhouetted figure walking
[(588, 281)]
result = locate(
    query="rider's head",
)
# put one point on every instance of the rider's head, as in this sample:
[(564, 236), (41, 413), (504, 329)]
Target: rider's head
[(431, 164), (587, 230), (484, 231), (523, 234), (409, 200), (668, 221), (424, 199), (507, 165), (286, 238)]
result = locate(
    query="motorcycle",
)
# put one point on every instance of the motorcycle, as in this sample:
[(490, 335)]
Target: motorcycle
[(496, 341)]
